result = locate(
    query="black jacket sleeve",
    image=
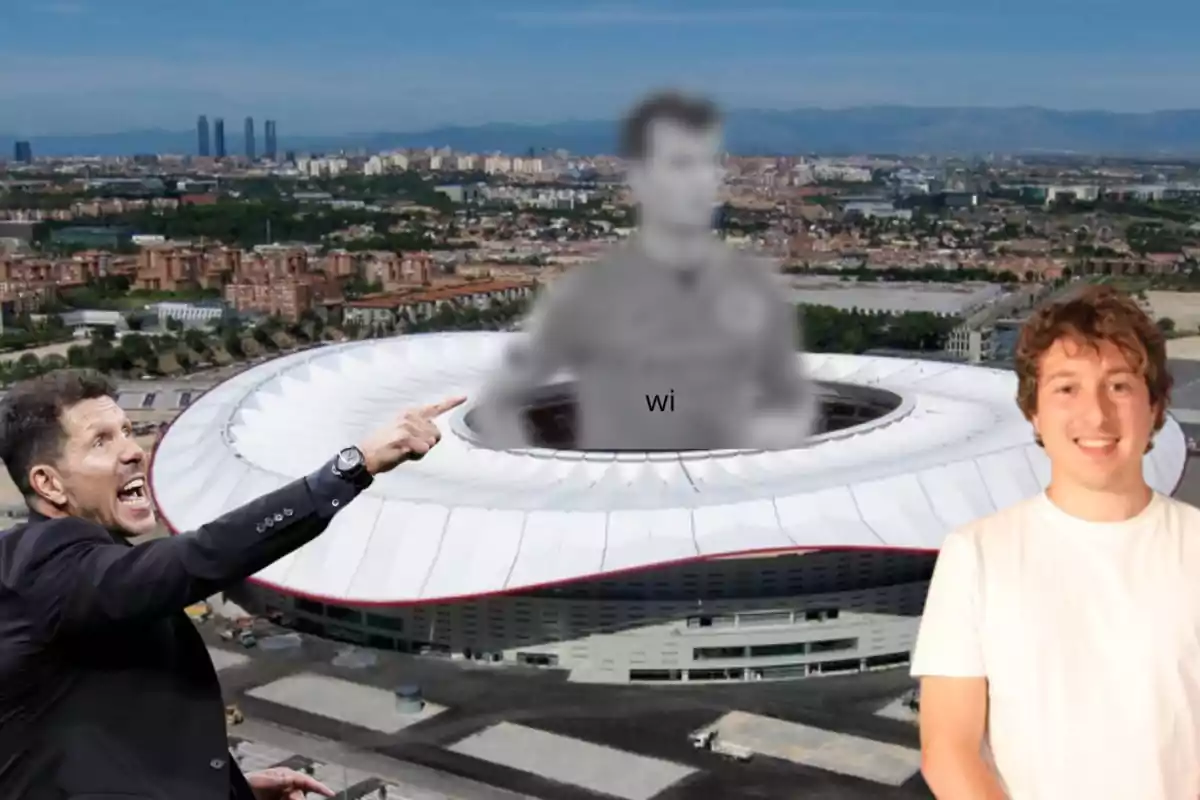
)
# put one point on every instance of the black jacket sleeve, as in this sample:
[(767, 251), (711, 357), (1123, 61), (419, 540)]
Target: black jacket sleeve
[(72, 574)]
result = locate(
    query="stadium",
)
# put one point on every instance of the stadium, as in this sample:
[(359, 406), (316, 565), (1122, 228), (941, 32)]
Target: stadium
[(706, 566)]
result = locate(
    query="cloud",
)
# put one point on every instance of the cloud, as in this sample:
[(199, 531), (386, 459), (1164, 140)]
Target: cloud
[(644, 16)]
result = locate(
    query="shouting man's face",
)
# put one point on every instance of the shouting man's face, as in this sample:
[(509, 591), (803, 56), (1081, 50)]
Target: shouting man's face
[(99, 473)]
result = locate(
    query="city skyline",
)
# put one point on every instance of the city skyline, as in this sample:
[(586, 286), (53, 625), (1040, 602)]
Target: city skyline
[(87, 67), (204, 138)]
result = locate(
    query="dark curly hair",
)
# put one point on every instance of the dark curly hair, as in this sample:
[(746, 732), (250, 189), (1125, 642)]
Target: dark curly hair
[(1094, 315), (31, 417)]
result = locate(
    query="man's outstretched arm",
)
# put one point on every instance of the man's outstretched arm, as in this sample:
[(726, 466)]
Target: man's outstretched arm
[(73, 576)]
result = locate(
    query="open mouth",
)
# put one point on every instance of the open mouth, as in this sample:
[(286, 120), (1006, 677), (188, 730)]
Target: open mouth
[(134, 493)]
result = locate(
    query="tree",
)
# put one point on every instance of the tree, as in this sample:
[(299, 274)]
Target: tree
[(232, 340), (1166, 325), (79, 356), (197, 341), (138, 350), (263, 334), (27, 366)]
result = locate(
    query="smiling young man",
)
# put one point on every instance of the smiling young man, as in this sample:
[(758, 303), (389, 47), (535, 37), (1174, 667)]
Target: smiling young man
[(106, 688), (1059, 653)]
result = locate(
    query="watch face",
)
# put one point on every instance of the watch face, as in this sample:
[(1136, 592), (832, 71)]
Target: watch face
[(349, 459)]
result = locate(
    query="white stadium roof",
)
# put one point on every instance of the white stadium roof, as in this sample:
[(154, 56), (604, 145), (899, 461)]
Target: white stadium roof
[(469, 521)]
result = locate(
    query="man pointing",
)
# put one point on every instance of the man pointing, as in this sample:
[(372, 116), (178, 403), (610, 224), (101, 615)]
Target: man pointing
[(106, 688)]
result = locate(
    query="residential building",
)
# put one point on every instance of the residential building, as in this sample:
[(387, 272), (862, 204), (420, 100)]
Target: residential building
[(168, 268)]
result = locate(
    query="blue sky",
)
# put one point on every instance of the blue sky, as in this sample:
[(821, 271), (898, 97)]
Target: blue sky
[(333, 66)]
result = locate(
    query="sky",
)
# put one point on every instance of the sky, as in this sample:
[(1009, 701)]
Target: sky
[(345, 66)]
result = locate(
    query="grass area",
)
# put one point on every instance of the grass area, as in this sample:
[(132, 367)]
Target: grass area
[(20, 344), (39, 350), (1130, 284), (1133, 284)]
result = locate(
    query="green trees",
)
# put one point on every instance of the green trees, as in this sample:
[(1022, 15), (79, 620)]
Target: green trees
[(264, 211), (20, 332), (931, 274), (832, 330), (136, 353), (497, 314)]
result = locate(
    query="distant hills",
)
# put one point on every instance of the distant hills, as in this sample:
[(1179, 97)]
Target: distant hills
[(900, 130)]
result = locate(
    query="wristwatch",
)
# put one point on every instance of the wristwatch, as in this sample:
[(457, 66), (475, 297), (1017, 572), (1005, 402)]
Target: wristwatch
[(351, 466)]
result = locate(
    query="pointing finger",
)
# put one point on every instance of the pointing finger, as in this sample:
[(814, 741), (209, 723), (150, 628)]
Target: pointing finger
[(437, 409), (306, 783)]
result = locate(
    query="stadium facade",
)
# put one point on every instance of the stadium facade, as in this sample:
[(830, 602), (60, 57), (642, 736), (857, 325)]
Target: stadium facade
[(646, 567)]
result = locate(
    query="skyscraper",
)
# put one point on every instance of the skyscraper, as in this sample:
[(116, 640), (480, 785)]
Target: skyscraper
[(23, 153), (271, 145), (219, 136), (202, 137), (250, 138)]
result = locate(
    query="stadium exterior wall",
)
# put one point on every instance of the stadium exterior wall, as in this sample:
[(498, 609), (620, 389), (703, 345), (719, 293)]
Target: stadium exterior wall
[(661, 636)]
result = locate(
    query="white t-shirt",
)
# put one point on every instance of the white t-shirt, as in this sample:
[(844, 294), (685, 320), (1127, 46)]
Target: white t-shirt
[(1089, 637)]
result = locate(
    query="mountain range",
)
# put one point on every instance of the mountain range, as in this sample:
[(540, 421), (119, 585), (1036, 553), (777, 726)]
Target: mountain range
[(900, 130)]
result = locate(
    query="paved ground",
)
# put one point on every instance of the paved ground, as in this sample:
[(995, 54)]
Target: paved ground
[(1182, 307), (651, 722), (258, 745), (1184, 347)]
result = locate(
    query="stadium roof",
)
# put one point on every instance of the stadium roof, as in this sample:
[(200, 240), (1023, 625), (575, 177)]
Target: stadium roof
[(470, 521)]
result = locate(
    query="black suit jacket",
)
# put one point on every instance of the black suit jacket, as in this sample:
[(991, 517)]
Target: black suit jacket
[(106, 688)]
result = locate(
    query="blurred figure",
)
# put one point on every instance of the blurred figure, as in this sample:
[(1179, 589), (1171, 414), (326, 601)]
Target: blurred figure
[(1059, 652), (675, 341)]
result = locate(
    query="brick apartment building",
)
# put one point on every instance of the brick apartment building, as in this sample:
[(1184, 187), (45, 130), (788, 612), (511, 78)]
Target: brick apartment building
[(27, 284), (288, 299), (398, 271), (168, 267), (279, 281)]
